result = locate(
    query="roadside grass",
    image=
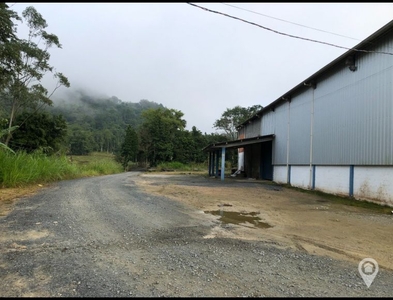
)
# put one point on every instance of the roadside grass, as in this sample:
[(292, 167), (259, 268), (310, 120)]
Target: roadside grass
[(96, 163), (22, 169)]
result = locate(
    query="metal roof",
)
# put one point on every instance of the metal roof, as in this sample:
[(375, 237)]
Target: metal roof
[(364, 45), (239, 143)]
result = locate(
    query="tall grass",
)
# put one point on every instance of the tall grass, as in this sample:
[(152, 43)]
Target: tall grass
[(21, 169), (178, 166), (101, 166)]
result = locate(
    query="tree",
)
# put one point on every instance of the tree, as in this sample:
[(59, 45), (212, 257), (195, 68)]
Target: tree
[(22, 88), (129, 148), (43, 132), (9, 57), (200, 142), (9, 54), (232, 117), (81, 141), (184, 147), (158, 132)]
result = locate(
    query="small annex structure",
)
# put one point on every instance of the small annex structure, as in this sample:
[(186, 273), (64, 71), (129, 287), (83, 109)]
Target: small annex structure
[(332, 132), (217, 149)]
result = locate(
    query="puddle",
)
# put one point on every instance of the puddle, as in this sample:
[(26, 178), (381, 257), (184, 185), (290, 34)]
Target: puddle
[(233, 217)]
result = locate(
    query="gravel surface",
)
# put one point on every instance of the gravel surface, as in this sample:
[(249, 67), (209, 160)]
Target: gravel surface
[(103, 237)]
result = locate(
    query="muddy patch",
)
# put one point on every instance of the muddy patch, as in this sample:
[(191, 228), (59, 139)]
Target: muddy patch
[(248, 219)]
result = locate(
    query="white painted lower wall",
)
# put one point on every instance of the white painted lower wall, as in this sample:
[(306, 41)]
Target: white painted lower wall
[(374, 183), (300, 176), (332, 179), (280, 174), (370, 183)]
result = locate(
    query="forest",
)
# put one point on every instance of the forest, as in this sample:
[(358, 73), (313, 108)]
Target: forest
[(143, 133)]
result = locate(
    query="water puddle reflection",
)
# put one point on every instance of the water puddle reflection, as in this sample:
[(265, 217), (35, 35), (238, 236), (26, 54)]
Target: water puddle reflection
[(233, 217)]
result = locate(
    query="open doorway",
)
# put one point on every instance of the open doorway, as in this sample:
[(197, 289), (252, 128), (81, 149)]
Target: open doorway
[(258, 160)]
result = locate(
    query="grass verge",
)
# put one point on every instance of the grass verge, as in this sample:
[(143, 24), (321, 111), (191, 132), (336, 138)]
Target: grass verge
[(22, 169)]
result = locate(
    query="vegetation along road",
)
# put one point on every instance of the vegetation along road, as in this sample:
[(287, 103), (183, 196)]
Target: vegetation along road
[(121, 235)]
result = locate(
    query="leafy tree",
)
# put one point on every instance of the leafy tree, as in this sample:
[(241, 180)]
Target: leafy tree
[(81, 141), (108, 139), (158, 132), (199, 141), (9, 52), (43, 132), (232, 117), (129, 148), (184, 147), (22, 88)]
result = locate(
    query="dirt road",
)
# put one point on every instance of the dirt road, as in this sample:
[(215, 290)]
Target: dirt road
[(149, 235)]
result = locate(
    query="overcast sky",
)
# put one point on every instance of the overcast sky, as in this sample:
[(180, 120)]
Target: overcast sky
[(196, 61)]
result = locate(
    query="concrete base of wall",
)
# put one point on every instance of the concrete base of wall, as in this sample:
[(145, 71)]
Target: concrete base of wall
[(369, 183)]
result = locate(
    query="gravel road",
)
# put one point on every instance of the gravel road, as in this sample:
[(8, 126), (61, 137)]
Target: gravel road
[(103, 237)]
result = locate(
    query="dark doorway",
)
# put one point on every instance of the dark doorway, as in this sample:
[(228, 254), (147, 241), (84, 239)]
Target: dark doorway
[(266, 161)]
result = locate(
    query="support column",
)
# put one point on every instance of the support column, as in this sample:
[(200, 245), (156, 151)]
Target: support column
[(313, 177), (213, 163), (222, 163), (217, 153), (289, 174), (210, 163), (351, 176)]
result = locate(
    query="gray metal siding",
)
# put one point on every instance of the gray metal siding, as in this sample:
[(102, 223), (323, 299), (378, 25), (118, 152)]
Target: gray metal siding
[(353, 114), (281, 130), (268, 123), (253, 129), (300, 128)]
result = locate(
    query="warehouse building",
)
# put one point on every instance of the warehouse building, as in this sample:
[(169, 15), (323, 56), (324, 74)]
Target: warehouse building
[(332, 132)]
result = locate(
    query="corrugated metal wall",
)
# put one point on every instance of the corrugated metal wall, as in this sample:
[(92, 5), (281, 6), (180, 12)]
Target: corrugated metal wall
[(300, 128), (253, 129), (268, 123), (281, 130), (353, 114)]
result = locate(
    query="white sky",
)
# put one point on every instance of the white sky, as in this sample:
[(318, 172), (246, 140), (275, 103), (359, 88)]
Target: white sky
[(196, 61)]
